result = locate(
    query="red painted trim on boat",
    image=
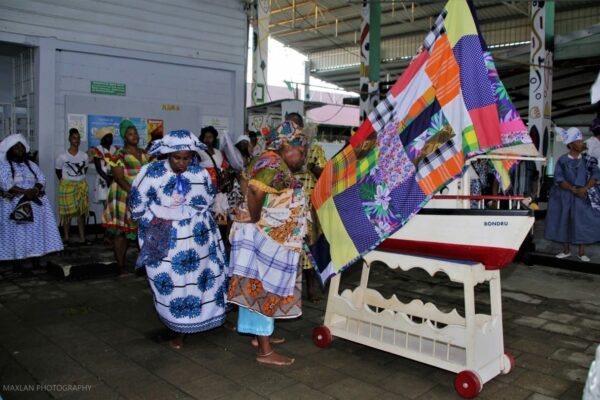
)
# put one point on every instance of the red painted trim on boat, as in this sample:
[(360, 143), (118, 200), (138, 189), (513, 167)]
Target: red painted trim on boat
[(491, 257)]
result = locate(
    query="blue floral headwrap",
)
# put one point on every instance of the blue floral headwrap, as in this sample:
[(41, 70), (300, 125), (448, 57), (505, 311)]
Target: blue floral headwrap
[(177, 141), (289, 133), (570, 135)]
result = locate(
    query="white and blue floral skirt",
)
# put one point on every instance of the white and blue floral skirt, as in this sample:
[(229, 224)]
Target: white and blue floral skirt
[(188, 284)]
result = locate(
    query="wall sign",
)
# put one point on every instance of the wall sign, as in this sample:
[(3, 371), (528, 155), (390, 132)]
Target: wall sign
[(111, 88)]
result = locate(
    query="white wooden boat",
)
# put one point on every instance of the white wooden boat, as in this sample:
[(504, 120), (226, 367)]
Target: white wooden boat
[(489, 236)]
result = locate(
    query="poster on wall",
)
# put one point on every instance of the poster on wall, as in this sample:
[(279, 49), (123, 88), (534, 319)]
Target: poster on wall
[(221, 124), (79, 122), (99, 126), (140, 124), (155, 128)]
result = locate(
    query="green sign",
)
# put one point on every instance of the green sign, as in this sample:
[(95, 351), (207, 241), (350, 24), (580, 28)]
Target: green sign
[(112, 88)]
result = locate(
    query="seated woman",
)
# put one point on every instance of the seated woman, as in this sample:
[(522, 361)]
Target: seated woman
[(28, 226), (180, 243)]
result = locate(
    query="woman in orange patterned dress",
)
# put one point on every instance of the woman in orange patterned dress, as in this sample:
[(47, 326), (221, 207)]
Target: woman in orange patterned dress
[(266, 242)]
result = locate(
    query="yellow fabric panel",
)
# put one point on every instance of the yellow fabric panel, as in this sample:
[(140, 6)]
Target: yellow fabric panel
[(261, 186), (503, 173), (459, 21), (341, 246)]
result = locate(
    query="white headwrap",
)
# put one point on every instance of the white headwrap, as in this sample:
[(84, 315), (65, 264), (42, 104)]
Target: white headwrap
[(236, 161), (242, 138), (570, 135), (176, 141), (9, 142)]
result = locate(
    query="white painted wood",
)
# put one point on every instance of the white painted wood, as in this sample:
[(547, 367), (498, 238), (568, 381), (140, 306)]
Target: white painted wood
[(421, 331)]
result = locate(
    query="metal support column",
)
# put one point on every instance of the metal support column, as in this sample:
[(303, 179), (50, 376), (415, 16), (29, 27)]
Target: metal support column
[(370, 40), (540, 73), (374, 53), (261, 14)]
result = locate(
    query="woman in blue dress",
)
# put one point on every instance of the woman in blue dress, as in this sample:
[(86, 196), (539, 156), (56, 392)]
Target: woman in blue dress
[(28, 227), (180, 243), (571, 219)]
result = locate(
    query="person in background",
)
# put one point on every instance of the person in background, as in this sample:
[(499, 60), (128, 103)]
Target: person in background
[(27, 224), (155, 135), (101, 154), (308, 181), (571, 219), (593, 143), (265, 250), (73, 197), (212, 158), (315, 160), (180, 244), (125, 164), (216, 164), (308, 176), (254, 142), (236, 196), (479, 171)]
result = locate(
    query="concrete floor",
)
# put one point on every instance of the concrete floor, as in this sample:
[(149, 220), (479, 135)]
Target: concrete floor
[(97, 338)]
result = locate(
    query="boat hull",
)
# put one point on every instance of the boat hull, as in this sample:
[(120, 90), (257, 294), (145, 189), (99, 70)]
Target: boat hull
[(490, 237)]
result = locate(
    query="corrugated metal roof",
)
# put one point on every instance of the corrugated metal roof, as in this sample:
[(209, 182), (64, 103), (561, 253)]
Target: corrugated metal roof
[(311, 25), (328, 32)]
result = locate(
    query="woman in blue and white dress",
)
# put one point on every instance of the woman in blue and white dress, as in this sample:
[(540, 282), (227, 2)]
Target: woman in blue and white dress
[(180, 243), (27, 226)]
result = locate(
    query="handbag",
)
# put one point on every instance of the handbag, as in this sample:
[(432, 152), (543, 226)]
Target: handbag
[(157, 236), (593, 193), (23, 212)]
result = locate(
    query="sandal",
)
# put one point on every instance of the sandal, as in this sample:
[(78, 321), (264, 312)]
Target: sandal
[(262, 359)]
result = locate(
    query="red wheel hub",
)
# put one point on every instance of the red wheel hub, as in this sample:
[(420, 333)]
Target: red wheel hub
[(467, 384), (322, 336), (511, 360)]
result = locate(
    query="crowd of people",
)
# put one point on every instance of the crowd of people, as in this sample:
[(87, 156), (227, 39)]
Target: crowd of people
[(216, 222), (220, 225)]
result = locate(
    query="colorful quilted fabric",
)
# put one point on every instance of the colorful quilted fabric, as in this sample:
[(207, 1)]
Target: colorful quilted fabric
[(448, 106)]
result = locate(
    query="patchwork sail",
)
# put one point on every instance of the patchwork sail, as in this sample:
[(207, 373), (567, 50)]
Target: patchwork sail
[(447, 107)]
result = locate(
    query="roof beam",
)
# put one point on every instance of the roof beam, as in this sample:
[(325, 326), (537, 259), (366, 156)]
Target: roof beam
[(292, 6), (305, 17), (294, 31), (513, 6)]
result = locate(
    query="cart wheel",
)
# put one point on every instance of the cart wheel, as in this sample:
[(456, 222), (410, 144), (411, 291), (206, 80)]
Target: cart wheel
[(467, 384), (508, 362), (321, 336)]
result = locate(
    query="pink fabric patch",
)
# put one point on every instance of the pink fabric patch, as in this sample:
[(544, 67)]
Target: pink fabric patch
[(515, 125), (409, 74), (487, 126)]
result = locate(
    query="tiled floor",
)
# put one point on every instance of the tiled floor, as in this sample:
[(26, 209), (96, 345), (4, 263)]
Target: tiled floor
[(97, 338)]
